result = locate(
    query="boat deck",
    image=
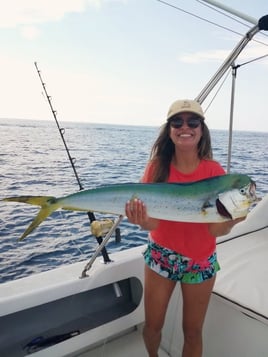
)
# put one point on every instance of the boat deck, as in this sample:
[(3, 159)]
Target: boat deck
[(130, 345)]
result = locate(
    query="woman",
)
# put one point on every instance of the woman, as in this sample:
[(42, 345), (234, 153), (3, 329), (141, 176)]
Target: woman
[(177, 251)]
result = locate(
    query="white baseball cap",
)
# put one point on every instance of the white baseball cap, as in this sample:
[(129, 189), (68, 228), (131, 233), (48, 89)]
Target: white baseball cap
[(185, 105)]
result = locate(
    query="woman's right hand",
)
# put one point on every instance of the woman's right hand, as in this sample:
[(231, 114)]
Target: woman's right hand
[(136, 213)]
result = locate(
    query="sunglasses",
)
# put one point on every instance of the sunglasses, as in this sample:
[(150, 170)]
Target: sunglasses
[(192, 122)]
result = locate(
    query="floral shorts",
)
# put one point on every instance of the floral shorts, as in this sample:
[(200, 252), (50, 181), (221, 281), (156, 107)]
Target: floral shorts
[(177, 267)]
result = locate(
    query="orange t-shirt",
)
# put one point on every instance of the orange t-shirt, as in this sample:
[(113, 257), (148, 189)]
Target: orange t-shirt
[(189, 239)]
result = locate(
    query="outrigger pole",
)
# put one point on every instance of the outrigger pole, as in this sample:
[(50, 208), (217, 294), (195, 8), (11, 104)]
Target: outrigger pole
[(91, 216)]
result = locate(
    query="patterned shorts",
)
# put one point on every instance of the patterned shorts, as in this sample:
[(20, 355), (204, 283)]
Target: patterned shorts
[(177, 267)]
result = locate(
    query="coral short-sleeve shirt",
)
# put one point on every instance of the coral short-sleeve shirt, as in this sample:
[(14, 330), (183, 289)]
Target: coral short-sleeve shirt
[(189, 239)]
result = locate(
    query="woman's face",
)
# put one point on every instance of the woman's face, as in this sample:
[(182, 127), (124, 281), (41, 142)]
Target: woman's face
[(186, 131)]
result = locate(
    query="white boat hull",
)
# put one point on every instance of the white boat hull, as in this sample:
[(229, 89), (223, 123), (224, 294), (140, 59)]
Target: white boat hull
[(58, 301)]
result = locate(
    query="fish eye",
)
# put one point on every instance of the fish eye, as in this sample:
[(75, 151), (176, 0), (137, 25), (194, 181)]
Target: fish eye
[(243, 191)]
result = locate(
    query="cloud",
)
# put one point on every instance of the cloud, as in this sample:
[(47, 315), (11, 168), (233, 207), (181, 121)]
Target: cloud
[(29, 32), (204, 56), (254, 50), (26, 15), (30, 12)]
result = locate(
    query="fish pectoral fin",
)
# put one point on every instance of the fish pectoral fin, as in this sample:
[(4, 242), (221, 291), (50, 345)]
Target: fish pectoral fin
[(206, 204), (222, 209)]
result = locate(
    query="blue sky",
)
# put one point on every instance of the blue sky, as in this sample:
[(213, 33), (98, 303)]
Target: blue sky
[(125, 61)]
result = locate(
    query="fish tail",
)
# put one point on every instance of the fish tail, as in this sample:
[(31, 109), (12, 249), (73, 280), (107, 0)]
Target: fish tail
[(48, 204)]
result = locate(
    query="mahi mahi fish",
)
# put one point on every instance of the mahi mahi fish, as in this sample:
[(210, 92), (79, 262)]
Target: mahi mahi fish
[(215, 199)]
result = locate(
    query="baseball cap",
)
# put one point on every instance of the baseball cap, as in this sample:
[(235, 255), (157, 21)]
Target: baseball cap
[(185, 105)]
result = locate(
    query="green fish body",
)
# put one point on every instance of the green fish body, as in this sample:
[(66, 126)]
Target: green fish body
[(216, 199)]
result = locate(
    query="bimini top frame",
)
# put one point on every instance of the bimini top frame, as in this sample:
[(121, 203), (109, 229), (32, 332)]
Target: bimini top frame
[(261, 25)]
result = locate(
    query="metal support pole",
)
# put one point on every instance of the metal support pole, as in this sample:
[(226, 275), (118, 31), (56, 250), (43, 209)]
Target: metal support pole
[(230, 10), (226, 64), (101, 246), (234, 73)]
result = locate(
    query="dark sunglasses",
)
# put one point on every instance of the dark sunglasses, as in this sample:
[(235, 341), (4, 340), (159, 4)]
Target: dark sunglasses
[(192, 122)]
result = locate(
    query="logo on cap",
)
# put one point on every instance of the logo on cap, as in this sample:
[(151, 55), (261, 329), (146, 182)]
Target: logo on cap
[(186, 104)]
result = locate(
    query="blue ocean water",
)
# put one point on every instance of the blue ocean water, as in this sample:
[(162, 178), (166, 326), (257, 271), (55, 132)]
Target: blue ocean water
[(33, 161)]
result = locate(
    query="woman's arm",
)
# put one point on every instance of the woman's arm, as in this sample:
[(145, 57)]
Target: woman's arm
[(221, 229)]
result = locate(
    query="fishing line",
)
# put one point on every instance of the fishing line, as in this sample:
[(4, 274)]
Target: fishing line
[(222, 13), (218, 90), (67, 234), (199, 17), (208, 21), (253, 60), (230, 17)]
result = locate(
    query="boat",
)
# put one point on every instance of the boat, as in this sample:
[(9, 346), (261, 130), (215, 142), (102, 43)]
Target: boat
[(94, 309)]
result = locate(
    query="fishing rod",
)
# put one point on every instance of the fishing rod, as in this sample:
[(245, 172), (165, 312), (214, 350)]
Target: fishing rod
[(62, 132), (98, 227)]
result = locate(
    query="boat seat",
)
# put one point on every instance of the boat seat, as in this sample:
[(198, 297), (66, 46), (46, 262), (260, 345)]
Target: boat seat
[(242, 279)]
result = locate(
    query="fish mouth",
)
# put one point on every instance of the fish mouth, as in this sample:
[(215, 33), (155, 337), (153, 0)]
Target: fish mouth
[(222, 209), (249, 192)]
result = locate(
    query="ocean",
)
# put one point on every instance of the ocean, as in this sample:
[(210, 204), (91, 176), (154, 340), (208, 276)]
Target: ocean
[(34, 161)]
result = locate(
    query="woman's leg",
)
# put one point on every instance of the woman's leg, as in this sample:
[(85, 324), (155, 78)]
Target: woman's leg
[(195, 302), (157, 293)]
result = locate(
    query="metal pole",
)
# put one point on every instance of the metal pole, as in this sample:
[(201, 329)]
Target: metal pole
[(226, 8), (234, 72), (226, 64), (262, 24), (101, 246)]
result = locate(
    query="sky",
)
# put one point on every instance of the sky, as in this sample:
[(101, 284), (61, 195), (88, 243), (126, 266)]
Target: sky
[(126, 61)]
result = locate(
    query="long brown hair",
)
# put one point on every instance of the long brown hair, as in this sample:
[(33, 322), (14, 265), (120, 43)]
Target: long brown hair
[(163, 150)]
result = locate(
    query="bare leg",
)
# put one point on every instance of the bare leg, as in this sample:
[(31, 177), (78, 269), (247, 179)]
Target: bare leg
[(156, 298), (195, 302)]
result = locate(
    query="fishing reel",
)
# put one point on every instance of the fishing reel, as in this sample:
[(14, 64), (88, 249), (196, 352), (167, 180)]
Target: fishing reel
[(105, 227), (101, 227)]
